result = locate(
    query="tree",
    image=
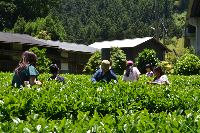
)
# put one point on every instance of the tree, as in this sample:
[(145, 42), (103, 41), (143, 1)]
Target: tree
[(93, 63), (43, 35), (20, 25), (28, 9), (147, 56), (52, 27), (42, 63), (6, 17), (118, 59)]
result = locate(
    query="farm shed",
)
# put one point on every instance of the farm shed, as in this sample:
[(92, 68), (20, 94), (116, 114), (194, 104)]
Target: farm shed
[(132, 47), (192, 29), (70, 57)]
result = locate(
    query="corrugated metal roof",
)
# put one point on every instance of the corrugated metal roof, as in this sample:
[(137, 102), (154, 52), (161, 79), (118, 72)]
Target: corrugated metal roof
[(7, 37), (127, 43), (70, 46)]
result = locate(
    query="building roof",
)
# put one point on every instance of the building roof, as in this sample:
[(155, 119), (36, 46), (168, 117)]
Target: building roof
[(6, 37), (70, 46), (127, 43)]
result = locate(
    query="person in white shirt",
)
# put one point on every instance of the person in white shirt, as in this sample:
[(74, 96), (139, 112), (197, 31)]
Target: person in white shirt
[(160, 77), (131, 73)]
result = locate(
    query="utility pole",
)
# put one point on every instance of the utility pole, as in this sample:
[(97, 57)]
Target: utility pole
[(156, 19), (163, 29)]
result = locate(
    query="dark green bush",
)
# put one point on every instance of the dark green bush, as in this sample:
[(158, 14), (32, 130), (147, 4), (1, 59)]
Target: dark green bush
[(147, 56), (42, 63), (188, 64), (93, 63), (118, 58)]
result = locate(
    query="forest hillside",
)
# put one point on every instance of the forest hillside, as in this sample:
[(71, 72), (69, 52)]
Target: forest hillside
[(89, 21)]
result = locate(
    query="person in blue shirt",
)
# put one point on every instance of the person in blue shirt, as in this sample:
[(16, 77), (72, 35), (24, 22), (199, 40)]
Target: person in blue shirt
[(104, 74), (55, 70)]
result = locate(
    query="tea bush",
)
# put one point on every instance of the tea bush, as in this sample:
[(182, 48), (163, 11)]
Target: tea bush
[(118, 58), (83, 106), (93, 63), (188, 64), (42, 62), (166, 67), (147, 56)]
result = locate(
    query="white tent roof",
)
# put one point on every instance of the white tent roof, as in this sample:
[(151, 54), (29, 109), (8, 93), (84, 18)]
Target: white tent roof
[(120, 43)]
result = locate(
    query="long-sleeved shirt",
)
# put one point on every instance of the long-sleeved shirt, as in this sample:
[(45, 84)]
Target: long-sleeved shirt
[(107, 76)]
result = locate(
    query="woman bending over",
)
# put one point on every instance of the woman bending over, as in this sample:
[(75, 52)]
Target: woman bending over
[(160, 77)]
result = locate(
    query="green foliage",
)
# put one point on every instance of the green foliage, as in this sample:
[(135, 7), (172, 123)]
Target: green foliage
[(82, 106), (118, 59), (93, 63), (53, 27), (178, 45), (43, 35), (113, 20), (19, 25), (28, 9), (166, 67), (147, 56), (42, 63), (6, 17), (86, 22), (188, 64)]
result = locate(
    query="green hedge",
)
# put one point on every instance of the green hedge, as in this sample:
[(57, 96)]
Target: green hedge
[(83, 106)]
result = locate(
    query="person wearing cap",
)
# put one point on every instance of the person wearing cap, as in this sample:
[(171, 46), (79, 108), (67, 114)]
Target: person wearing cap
[(104, 73), (131, 73)]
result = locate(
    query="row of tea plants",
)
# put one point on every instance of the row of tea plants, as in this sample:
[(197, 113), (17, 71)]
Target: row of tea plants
[(83, 106)]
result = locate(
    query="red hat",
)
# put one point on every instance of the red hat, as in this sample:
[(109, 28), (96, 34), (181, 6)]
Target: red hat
[(129, 62)]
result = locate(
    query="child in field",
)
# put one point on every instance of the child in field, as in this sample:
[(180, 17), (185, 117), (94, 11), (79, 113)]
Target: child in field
[(149, 70), (55, 70), (160, 77), (131, 73)]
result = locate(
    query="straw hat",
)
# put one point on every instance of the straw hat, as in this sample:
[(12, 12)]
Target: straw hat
[(105, 65)]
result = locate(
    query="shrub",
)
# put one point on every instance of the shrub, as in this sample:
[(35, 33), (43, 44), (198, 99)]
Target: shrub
[(118, 59), (147, 56), (42, 63), (188, 64), (93, 63), (167, 67)]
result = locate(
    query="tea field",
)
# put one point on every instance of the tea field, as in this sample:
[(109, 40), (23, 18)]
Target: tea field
[(83, 106)]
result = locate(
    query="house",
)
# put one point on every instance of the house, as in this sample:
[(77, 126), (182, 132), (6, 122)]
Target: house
[(132, 47), (70, 57), (192, 25)]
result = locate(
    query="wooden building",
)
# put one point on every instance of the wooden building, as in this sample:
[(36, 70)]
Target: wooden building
[(132, 47), (70, 57), (192, 29)]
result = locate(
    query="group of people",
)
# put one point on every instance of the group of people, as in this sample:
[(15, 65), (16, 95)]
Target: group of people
[(105, 74), (26, 72)]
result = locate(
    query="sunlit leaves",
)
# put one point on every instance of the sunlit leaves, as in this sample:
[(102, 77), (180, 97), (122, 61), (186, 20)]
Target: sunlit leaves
[(82, 106)]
